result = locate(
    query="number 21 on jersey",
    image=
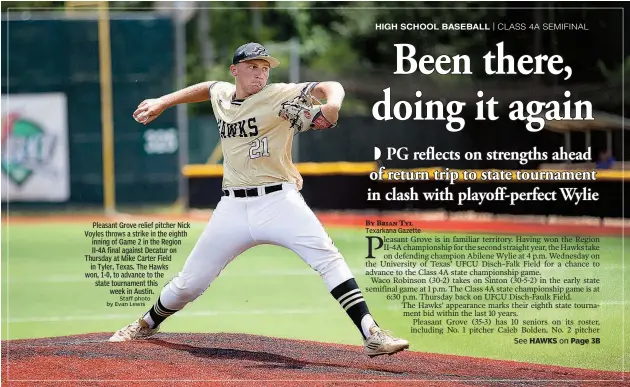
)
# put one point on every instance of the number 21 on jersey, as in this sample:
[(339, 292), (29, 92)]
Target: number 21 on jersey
[(259, 148)]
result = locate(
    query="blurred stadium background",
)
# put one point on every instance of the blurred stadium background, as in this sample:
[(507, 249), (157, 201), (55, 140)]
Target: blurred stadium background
[(73, 73), (91, 153)]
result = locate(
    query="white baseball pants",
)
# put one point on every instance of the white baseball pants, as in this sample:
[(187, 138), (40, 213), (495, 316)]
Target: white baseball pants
[(280, 218)]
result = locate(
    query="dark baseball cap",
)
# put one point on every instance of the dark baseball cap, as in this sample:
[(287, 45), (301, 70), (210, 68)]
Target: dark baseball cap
[(251, 51)]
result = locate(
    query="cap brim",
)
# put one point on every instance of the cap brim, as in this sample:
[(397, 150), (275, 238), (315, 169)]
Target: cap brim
[(273, 62)]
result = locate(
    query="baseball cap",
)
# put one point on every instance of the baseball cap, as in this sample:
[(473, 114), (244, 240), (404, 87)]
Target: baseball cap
[(250, 51)]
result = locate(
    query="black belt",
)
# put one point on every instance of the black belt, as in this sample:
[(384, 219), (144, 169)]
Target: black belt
[(248, 192)]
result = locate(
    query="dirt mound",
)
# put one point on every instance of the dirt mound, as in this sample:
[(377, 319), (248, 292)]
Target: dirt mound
[(169, 359)]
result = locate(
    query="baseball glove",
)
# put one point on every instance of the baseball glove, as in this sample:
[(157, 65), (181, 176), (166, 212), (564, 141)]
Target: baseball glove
[(304, 113)]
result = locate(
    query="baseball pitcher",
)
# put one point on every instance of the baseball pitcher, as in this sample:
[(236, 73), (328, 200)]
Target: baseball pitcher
[(261, 202)]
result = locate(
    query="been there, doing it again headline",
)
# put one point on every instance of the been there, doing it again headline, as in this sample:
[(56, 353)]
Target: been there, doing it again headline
[(533, 112)]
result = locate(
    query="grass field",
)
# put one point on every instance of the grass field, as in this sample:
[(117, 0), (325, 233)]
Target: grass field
[(269, 291)]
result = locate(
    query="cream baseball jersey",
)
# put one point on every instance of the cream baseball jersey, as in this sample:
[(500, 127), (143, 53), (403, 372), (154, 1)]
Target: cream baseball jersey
[(256, 141)]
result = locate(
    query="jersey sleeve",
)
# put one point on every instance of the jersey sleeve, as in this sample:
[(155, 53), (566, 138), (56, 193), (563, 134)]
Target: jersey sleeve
[(219, 91), (212, 86)]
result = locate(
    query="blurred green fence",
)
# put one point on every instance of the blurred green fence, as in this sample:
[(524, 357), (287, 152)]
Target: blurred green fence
[(62, 56)]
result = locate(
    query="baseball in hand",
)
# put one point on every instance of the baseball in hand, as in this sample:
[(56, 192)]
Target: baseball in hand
[(148, 110)]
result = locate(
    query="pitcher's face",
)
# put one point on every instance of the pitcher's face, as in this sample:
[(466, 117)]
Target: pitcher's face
[(251, 75)]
